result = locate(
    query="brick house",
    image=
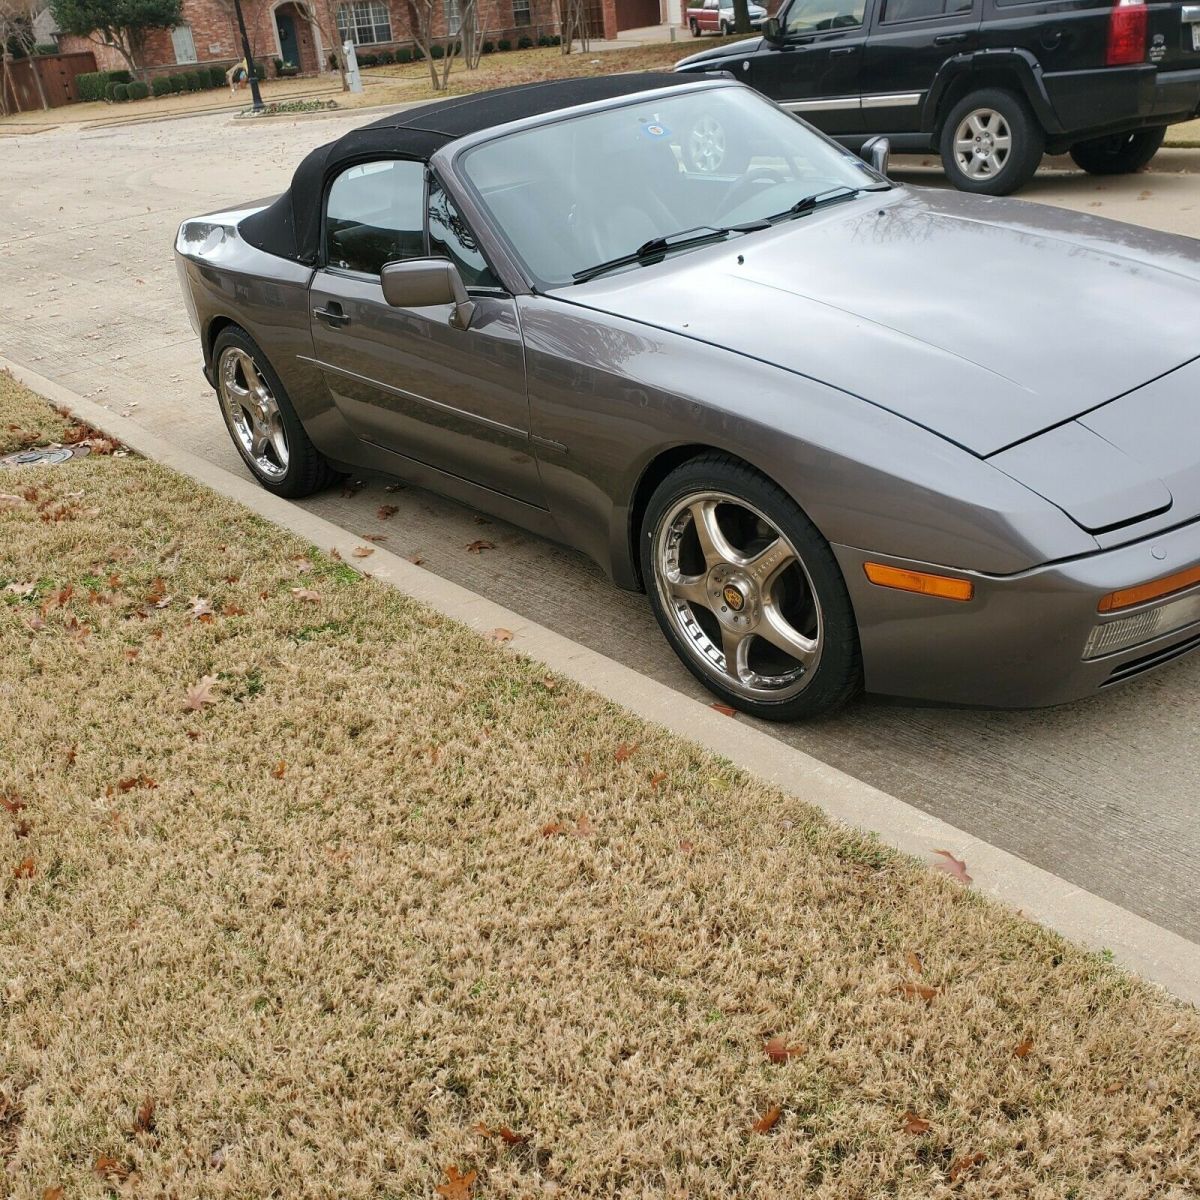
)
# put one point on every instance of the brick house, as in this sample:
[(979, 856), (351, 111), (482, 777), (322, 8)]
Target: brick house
[(305, 31)]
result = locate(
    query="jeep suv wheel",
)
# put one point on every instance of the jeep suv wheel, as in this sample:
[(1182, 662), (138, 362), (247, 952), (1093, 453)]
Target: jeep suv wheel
[(991, 142), (1119, 153)]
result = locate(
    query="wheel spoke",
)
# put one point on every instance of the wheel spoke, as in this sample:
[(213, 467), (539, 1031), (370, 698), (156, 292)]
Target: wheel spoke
[(713, 543), (734, 645), (766, 564), (689, 588), (776, 629)]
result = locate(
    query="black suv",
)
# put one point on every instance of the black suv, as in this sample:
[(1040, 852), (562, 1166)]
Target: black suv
[(992, 85)]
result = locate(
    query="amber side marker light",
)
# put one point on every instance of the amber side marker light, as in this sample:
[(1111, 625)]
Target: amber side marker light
[(919, 581), (1127, 597)]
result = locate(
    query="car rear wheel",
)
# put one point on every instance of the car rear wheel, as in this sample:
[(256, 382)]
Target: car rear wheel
[(1119, 153), (748, 592), (694, 27), (725, 29), (991, 143), (262, 422)]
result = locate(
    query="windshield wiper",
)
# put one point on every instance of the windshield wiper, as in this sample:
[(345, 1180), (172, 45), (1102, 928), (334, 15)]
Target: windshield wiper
[(808, 203), (656, 247)]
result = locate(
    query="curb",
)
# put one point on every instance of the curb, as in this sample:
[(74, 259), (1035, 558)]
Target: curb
[(1158, 955)]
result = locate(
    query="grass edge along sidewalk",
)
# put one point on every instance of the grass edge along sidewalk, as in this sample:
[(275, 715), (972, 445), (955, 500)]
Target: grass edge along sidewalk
[(307, 887)]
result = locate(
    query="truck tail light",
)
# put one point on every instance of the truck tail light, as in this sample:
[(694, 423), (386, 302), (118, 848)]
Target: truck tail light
[(1126, 33)]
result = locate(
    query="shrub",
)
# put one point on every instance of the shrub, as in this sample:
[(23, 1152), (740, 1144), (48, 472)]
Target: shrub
[(556, 39), (385, 58), (504, 44), (93, 85), (119, 77), (43, 48), (196, 81), (161, 85), (368, 60), (544, 40), (524, 43), (437, 51), (487, 48), (177, 82), (119, 92), (216, 77), (137, 90), (404, 55)]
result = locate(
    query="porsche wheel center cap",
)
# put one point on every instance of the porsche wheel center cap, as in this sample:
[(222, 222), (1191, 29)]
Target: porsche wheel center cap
[(733, 598)]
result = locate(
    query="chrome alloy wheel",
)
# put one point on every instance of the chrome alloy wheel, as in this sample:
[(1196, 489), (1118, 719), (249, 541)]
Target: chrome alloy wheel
[(982, 143), (738, 595), (706, 145), (253, 413)]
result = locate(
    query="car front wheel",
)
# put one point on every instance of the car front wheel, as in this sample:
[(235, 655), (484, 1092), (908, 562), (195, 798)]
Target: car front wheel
[(991, 143), (725, 29), (748, 592), (694, 27), (262, 422), (1119, 153)]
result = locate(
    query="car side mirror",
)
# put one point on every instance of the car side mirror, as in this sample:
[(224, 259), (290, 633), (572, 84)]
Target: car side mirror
[(425, 282), (876, 151), (772, 30)]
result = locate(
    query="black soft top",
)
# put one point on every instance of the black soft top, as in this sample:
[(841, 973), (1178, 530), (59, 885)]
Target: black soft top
[(290, 227)]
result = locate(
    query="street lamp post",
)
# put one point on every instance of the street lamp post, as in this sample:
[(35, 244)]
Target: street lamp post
[(255, 94)]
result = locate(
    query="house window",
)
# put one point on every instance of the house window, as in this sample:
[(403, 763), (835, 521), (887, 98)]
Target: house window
[(364, 22), (453, 10), (185, 46), (521, 14)]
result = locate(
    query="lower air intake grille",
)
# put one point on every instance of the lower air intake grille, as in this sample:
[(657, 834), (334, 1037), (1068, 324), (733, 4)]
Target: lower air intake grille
[(1147, 663)]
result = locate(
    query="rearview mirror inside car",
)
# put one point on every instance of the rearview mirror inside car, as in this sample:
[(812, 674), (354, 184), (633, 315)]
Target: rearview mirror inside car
[(425, 282)]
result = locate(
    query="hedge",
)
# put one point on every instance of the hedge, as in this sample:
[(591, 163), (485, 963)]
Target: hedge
[(487, 48), (178, 83), (137, 90), (216, 77), (504, 44), (118, 92), (93, 85), (524, 43), (162, 85)]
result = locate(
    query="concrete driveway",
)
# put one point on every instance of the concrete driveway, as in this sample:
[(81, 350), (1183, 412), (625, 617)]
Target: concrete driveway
[(1104, 793)]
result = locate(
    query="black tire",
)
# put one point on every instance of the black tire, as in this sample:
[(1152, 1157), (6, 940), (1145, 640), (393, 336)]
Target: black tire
[(1027, 143), (725, 30), (792, 588), (306, 470), (694, 27), (1119, 153)]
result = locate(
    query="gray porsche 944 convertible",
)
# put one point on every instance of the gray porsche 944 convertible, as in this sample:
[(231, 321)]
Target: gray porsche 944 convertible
[(845, 434)]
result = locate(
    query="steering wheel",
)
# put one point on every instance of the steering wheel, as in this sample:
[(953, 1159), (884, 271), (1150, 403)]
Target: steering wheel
[(756, 177)]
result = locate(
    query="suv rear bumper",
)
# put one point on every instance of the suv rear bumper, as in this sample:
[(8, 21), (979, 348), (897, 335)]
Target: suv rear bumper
[(1022, 641), (1112, 99)]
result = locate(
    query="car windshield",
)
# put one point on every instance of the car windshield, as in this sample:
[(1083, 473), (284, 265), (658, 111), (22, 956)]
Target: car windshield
[(587, 190)]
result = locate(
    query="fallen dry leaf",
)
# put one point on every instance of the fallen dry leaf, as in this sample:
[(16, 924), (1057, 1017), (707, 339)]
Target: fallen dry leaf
[(657, 778), (766, 1122), (20, 589), (583, 826), (778, 1051), (553, 828), (25, 869), (625, 751), (549, 683), (279, 769), (144, 1120), (144, 781), (200, 607), (306, 595), (387, 510), (108, 1167), (913, 1124), (457, 1185), (1022, 1049), (233, 610), (923, 990), (373, 537), (1113, 1089), (415, 559), (915, 962), (479, 546), (503, 1132), (53, 1193), (500, 635), (964, 1163), (201, 693), (362, 551), (724, 710), (954, 867), (686, 846)]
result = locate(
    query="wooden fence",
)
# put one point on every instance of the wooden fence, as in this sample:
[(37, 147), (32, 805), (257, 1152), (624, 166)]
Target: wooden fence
[(57, 73)]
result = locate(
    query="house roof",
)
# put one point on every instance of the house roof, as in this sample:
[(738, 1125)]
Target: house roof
[(291, 226)]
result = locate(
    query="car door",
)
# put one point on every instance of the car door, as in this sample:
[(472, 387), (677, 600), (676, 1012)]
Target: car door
[(909, 41), (814, 67), (407, 379), (710, 15)]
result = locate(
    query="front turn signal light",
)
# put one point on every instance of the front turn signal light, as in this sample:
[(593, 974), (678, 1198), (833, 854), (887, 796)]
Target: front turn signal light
[(919, 581), (1127, 597)]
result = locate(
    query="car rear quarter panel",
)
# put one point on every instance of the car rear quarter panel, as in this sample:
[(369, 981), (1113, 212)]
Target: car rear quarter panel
[(611, 397)]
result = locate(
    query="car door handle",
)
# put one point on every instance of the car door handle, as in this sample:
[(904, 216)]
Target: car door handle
[(947, 39), (332, 315), (844, 50)]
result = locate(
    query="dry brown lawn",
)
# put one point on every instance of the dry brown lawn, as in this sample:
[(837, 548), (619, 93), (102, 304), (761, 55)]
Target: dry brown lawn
[(411, 80), (308, 892)]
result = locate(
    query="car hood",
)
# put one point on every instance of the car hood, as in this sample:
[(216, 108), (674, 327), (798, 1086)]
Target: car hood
[(985, 321), (707, 60)]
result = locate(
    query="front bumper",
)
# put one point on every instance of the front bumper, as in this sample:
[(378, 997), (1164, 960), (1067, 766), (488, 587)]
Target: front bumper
[(1020, 643)]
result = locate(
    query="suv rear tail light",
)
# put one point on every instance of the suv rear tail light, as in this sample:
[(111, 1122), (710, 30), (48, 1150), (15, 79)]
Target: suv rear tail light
[(1126, 33)]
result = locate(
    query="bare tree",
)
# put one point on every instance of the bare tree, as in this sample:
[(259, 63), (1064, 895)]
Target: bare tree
[(16, 27), (573, 24), (423, 19)]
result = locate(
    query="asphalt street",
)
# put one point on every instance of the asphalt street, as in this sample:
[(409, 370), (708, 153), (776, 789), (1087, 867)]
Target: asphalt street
[(1104, 792)]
